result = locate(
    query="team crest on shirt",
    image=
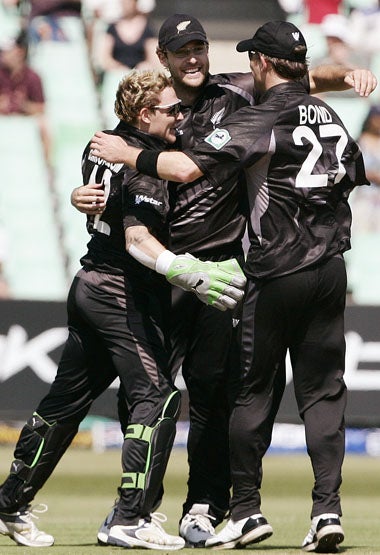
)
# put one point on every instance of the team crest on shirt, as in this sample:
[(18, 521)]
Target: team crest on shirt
[(218, 138)]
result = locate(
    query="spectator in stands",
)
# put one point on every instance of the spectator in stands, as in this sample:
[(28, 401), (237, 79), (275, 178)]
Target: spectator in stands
[(335, 29), (364, 269), (366, 202), (21, 90), (44, 18), (365, 28), (130, 42)]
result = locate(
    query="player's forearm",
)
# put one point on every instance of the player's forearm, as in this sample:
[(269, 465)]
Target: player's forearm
[(325, 78), (339, 78), (143, 246), (176, 166), (172, 166)]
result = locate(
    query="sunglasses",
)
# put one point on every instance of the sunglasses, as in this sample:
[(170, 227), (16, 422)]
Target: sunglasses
[(252, 54), (170, 109)]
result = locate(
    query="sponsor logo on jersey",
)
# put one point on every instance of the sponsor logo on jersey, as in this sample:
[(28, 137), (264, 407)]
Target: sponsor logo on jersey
[(218, 138), (115, 168), (143, 198)]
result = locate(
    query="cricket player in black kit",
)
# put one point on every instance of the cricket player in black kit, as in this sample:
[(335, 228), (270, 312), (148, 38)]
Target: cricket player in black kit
[(300, 165), (117, 320), (209, 222)]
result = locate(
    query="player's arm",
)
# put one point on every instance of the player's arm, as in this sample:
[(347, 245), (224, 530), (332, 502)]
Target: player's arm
[(326, 78), (219, 284), (173, 166)]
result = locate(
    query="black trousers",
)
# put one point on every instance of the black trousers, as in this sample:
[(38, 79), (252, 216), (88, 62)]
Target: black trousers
[(302, 313), (201, 340), (116, 329)]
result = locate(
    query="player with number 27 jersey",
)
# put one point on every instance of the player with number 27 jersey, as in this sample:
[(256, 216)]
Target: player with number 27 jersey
[(300, 165)]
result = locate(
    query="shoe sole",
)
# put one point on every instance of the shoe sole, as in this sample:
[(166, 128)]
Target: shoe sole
[(253, 536), (197, 545), (20, 539), (133, 542), (329, 539)]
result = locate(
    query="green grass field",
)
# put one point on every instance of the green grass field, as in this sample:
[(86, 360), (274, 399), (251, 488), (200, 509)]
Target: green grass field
[(83, 487)]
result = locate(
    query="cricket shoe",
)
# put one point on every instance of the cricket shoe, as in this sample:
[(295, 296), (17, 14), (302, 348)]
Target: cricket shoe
[(325, 534), (147, 534), (195, 527), (104, 529), (20, 527), (252, 529)]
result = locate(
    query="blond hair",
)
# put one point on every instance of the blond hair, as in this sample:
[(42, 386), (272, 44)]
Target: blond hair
[(137, 90)]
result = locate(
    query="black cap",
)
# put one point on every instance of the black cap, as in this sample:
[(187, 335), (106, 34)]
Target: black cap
[(179, 29), (277, 39)]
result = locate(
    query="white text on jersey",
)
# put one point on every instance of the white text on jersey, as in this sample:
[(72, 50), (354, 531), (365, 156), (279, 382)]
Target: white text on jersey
[(115, 168), (149, 200), (314, 114)]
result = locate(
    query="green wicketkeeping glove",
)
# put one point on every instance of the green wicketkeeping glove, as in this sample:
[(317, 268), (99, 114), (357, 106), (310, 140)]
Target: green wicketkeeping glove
[(219, 284)]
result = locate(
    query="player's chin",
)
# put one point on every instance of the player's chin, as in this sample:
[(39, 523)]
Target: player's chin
[(171, 135), (194, 80)]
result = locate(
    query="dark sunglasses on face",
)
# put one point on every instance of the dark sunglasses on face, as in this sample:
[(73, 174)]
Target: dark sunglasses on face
[(252, 54), (170, 109)]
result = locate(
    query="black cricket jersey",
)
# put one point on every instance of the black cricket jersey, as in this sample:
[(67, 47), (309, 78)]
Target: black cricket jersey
[(300, 165), (206, 220), (131, 199)]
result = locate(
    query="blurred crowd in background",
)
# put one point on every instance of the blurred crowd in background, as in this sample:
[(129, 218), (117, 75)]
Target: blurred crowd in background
[(60, 63)]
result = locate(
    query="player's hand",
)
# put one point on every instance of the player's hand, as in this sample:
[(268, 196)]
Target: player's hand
[(89, 199), (219, 284), (109, 147), (363, 81)]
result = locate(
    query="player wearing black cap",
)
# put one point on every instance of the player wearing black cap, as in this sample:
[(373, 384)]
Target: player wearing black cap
[(300, 165), (208, 222)]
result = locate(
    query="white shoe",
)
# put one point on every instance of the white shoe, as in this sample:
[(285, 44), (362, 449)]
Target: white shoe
[(148, 534), (252, 529), (104, 529), (196, 527), (20, 527), (325, 534)]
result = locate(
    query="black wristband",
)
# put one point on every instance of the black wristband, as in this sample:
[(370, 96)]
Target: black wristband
[(146, 162)]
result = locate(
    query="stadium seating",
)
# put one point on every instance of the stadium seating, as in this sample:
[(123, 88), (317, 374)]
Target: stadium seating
[(363, 266), (109, 86), (53, 242), (34, 266), (351, 110), (72, 107)]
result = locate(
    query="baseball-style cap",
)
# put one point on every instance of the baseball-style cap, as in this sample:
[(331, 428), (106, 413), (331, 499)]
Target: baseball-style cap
[(277, 39), (179, 29)]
